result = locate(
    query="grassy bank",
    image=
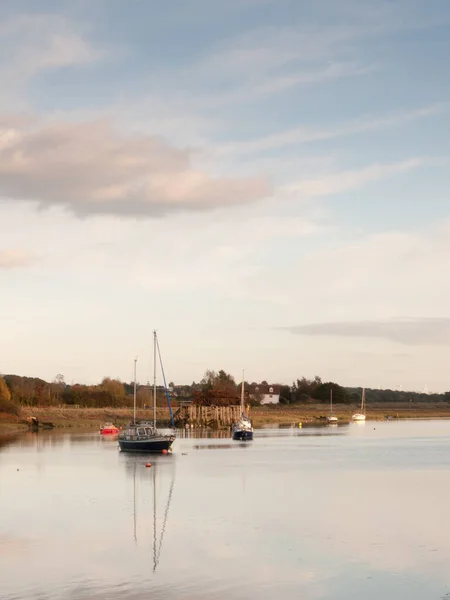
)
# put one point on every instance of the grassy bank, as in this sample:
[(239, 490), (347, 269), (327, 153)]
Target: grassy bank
[(92, 418), (266, 415)]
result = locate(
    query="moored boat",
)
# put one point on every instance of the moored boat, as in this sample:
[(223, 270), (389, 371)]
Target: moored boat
[(332, 419), (242, 429), (361, 416), (143, 436), (109, 429)]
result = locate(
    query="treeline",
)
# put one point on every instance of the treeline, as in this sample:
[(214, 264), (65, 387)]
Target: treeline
[(314, 390), (16, 390), (32, 391)]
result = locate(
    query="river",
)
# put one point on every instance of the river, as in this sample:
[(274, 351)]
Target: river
[(358, 511)]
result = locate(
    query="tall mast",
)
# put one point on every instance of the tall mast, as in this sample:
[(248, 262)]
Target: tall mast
[(363, 397), (331, 401), (242, 393), (134, 392), (154, 379)]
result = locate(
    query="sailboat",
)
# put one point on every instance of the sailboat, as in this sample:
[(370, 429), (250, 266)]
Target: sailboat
[(143, 436), (332, 420), (242, 429), (361, 416)]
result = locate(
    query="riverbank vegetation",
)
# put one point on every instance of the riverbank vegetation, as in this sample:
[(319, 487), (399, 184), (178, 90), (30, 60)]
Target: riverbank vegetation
[(112, 399)]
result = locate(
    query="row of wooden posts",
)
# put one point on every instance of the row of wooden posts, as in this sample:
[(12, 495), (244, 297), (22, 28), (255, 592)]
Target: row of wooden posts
[(206, 416)]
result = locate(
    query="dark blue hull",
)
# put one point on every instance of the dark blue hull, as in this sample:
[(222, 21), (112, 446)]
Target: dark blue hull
[(147, 446), (242, 435)]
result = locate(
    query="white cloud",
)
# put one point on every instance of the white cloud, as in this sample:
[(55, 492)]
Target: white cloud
[(91, 169), (11, 259)]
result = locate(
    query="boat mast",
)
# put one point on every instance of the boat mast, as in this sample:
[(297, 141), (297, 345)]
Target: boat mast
[(331, 402), (154, 379), (363, 397), (134, 392), (242, 393)]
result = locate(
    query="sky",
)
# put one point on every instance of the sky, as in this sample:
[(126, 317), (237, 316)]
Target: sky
[(265, 183)]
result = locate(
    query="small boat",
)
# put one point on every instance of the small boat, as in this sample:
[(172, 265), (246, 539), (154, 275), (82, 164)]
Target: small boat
[(361, 416), (109, 429), (143, 436), (332, 420), (242, 429)]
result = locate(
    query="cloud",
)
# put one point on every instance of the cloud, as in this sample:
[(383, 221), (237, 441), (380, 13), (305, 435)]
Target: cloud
[(302, 135), (35, 43), (90, 169), (329, 44), (411, 332), (277, 59), (11, 259), (336, 183)]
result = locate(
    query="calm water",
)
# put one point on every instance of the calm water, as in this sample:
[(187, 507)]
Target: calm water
[(359, 511)]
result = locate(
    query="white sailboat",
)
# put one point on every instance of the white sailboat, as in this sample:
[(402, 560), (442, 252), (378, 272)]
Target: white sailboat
[(242, 429), (332, 420), (361, 416)]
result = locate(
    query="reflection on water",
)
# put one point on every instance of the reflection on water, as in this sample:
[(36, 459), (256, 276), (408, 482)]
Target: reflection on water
[(157, 536), (315, 514)]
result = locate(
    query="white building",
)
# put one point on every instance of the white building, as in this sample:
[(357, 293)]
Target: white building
[(265, 393)]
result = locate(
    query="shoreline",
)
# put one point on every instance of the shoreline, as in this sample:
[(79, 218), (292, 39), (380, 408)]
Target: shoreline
[(91, 418)]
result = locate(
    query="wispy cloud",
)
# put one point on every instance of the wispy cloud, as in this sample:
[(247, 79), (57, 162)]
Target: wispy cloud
[(336, 183), (39, 42), (303, 135), (12, 259), (419, 331), (90, 169)]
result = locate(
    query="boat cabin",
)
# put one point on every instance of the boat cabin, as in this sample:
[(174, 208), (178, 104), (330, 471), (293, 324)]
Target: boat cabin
[(134, 432)]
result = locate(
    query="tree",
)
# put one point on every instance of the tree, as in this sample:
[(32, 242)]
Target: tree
[(216, 387), (323, 393), (114, 388), (57, 388), (218, 381), (304, 389), (6, 404), (5, 394), (285, 394)]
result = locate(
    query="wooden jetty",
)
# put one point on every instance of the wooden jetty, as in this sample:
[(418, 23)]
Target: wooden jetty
[(197, 415)]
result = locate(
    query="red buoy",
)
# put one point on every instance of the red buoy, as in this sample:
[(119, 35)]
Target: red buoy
[(164, 451), (148, 465)]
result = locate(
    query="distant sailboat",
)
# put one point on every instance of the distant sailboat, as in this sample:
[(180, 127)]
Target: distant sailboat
[(361, 416), (332, 420), (242, 429)]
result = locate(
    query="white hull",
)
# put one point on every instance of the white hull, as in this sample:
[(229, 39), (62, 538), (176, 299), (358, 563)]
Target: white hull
[(332, 420), (358, 417)]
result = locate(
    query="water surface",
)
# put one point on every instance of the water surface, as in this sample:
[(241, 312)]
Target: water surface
[(358, 511)]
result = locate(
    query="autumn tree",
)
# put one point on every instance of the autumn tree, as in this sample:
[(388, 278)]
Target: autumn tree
[(114, 388), (6, 405), (218, 381), (5, 394), (57, 388)]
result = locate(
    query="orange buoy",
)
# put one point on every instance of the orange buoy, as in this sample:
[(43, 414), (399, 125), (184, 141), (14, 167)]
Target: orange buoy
[(148, 464), (164, 451)]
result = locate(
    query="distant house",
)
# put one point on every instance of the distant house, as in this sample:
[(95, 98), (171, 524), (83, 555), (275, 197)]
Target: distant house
[(265, 393)]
